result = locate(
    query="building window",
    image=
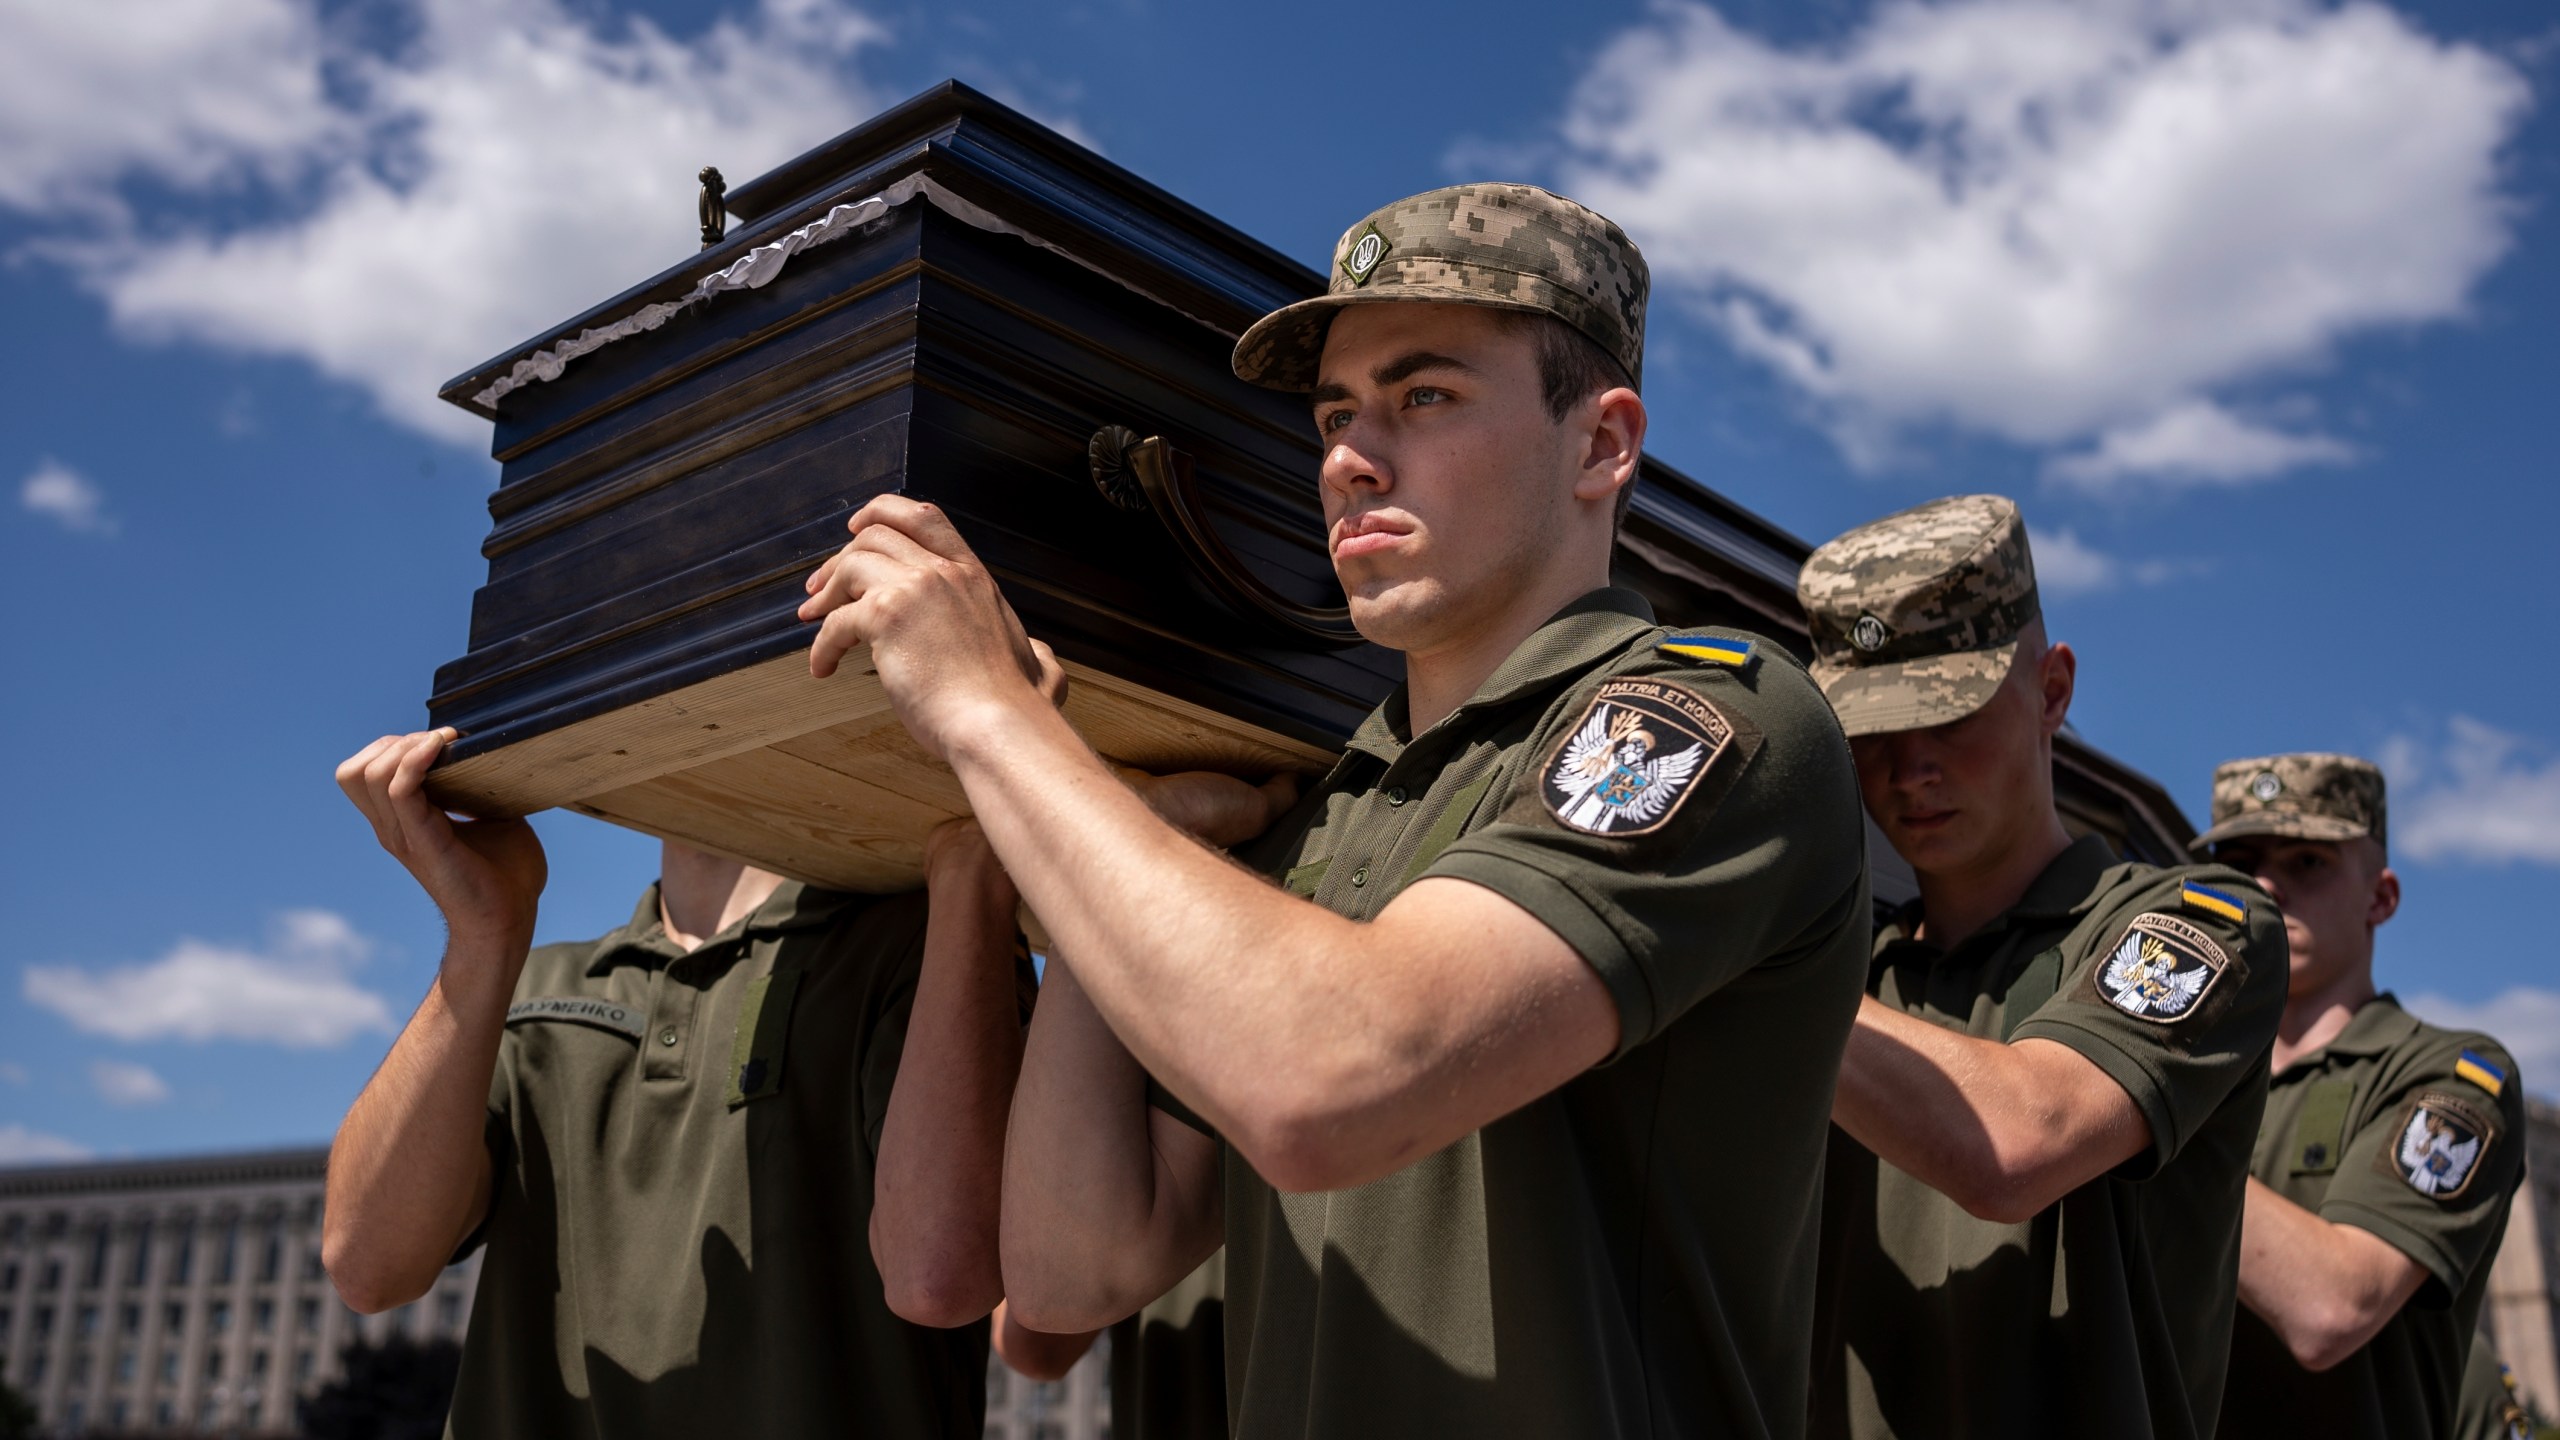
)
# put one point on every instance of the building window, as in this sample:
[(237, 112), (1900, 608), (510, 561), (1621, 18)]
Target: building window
[(80, 1368), (182, 1264), (229, 1264), (312, 1268), (9, 1276), (57, 1224), (213, 1364), (263, 1315), (208, 1414), (51, 1278), (173, 1318), (75, 1414), (96, 1274), (88, 1321), (13, 1229), (164, 1415), (258, 1365), (271, 1260), (139, 1273), (35, 1366), (249, 1415), (116, 1415), (301, 1365), (306, 1315), (44, 1321), (129, 1318), (218, 1316), (169, 1368), (124, 1363), (4, 1324)]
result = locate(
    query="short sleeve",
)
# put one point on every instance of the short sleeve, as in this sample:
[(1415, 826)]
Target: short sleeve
[(2176, 1000), (895, 966), (2432, 1170), (1678, 830)]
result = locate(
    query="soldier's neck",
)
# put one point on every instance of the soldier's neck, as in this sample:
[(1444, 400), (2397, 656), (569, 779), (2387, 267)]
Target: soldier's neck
[(700, 895), (1956, 903), (1439, 679), (2317, 1016)]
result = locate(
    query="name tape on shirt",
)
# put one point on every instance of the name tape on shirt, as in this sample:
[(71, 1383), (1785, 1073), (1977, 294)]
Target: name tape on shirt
[(1626, 767), (2162, 969), (581, 1010), (2440, 1145)]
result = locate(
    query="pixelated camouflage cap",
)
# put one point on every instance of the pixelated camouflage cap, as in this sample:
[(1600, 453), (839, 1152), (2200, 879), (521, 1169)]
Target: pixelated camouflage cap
[(2300, 797), (1916, 616), (1506, 247)]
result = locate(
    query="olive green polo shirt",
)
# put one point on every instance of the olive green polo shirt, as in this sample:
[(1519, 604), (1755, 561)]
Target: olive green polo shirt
[(684, 1147), (1169, 1362), (2390, 1129), (2489, 1408), (2109, 1314), (1631, 1254)]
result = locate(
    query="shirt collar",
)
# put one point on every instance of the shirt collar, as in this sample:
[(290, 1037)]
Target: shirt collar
[(2377, 1025), (1573, 640), (792, 906), (2067, 886)]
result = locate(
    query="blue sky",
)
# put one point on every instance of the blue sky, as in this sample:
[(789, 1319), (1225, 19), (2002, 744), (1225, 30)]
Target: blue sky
[(2254, 306)]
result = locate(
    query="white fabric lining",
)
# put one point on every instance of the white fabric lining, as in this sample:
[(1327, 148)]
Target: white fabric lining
[(758, 267)]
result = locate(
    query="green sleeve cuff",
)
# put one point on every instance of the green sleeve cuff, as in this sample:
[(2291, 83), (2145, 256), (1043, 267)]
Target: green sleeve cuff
[(2141, 1080), (2429, 1251), (1576, 920)]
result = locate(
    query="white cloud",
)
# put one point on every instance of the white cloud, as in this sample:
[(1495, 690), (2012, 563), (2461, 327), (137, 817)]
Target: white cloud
[(22, 1146), (2483, 794), (512, 163), (2525, 1020), (195, 92), (2066, 565), (2061, 224), (296, 992), (66, 497), (121, 1082), (2196, 442)]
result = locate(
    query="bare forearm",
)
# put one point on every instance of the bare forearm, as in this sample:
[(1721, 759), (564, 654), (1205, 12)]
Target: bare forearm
[(1097, 1219), (935, 1203), (409, 1172), (2325, 1289), (2004, 1130), (1237, 983)]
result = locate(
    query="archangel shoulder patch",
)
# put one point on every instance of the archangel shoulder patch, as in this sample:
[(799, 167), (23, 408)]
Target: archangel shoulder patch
[(1628, 764), (2161, 969), (2440, 1145), (581, 1010)]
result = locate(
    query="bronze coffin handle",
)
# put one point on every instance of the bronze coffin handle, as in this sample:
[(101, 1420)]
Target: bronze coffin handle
[(1151, 475)]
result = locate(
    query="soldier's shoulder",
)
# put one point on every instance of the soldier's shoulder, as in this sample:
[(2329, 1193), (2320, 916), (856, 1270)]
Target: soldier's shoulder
[(1750, 673), (2446, 1054), (561, 963)]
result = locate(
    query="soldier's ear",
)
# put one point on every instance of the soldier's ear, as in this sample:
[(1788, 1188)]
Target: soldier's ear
[(2057, 676), (2386, 896)]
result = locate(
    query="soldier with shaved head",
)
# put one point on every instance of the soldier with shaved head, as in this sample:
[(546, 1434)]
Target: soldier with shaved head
[(2031, 1219)]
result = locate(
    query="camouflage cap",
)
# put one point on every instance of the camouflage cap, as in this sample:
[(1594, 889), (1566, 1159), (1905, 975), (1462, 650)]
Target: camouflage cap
[(1916, 616), (2299, 797), (1506, 247)]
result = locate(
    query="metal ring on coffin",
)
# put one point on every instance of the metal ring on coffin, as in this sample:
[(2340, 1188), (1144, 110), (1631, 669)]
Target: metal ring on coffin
[(1150, 476)]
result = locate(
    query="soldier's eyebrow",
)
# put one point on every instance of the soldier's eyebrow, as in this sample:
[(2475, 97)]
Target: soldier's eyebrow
[(1406, 366), (1327, 393)]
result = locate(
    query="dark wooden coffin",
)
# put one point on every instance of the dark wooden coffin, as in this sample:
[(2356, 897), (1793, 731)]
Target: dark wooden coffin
[(954, 302)]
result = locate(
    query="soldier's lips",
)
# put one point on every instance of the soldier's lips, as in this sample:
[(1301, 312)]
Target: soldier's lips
[(1926, 821), (1359, 539)]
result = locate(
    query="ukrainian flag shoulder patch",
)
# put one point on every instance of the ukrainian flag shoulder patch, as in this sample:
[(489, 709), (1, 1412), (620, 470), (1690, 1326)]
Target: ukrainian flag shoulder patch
[(2214, 902), (2480, 1070), (1713, 649)]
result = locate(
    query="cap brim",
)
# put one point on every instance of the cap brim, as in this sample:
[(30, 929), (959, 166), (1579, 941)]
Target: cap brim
[(1914, 694), (2282, 824), (1282, 349)]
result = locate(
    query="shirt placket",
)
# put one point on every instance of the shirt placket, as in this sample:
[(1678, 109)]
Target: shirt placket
[(674, 1002)]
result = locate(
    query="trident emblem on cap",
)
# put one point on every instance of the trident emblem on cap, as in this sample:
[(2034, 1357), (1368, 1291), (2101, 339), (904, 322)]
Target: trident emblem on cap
[(1868, 634)]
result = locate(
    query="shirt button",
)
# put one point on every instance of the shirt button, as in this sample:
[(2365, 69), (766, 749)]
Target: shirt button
[(1396, 796), (667, 1036), (1359, 877)]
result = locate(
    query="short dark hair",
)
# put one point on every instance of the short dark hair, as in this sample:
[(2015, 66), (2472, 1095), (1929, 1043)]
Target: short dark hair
[(1571, 369)]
